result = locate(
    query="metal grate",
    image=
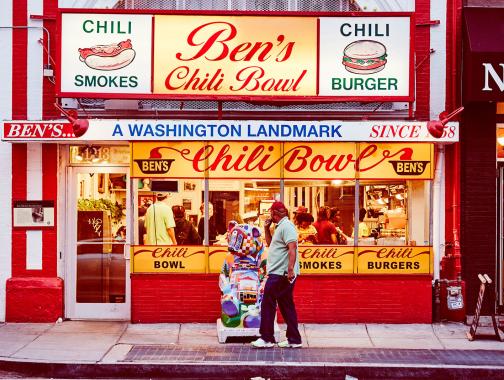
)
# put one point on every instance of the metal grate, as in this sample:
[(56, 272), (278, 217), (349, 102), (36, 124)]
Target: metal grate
[(90, 105), (345, 106), (387, 357), (172, 105), (244, 5), (328, 6)]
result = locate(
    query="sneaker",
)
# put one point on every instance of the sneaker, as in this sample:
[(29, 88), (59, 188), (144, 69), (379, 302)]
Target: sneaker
[(286, 344), (260, 343)]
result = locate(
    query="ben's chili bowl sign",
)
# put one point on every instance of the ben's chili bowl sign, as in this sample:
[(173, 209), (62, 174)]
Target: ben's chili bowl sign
[(393, 260), (105, 53), (326, 260), (295, 160), (155, 55), (168, 259), (216, 256), (229, 130), (365, 56), (235, 55)]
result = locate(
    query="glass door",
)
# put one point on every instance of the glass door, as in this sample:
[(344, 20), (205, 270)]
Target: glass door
[(98, 243)]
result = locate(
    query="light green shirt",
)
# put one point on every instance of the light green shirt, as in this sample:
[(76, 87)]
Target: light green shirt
[(158, 218), (278, 252)]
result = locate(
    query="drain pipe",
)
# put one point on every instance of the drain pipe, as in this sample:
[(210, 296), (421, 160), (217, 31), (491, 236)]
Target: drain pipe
[(456, 212)]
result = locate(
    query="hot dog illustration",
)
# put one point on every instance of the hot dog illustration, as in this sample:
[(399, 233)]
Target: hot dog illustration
[(365, 57), (108, 57)]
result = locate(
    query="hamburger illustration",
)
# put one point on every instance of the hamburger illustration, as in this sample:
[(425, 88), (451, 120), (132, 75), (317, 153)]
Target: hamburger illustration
[(365, 57), (108, 57)]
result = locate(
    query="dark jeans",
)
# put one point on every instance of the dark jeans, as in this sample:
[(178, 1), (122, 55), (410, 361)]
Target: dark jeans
[(279, 290)]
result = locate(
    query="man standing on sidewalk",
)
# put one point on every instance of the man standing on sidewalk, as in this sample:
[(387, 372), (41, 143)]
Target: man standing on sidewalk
[(282, 269)]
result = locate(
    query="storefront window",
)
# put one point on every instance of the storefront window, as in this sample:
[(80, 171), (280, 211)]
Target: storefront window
[(243, 201), (385, 212), (328, 204), (500, 142), (358, 207), (395, 213), (184, 197)]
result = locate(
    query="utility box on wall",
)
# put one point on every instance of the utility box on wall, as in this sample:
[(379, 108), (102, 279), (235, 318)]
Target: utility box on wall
[(452, 296)]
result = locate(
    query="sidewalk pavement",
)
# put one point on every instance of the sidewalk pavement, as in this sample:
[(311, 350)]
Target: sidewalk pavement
[(124, 350)]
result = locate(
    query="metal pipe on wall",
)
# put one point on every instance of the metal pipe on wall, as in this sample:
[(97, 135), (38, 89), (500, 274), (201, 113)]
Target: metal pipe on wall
[(437, 226)]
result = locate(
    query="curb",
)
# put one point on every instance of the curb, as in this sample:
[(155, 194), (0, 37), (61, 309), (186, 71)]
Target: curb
[(233, 370)]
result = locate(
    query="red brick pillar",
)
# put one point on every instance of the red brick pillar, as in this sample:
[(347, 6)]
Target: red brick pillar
[(34, 295)]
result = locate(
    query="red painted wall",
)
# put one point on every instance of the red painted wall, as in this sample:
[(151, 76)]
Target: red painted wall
[(449, 266), (19, 62), (33, 295), (34, 299), (422, 61), (319, 299), (38, 295), (48, 109), (478, 199)]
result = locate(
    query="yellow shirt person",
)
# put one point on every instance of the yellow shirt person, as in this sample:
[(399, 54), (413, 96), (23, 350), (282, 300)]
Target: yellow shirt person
[(160, 223)]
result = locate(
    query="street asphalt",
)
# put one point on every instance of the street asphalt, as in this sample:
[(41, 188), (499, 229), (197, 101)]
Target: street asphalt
[(85, 349)]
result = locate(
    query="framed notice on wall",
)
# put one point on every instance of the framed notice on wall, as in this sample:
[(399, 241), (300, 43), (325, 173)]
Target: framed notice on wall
[(33, 214)]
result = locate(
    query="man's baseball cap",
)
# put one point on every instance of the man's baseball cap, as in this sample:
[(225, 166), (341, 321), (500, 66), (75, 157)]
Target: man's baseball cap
[(161, 196), (278, 206)]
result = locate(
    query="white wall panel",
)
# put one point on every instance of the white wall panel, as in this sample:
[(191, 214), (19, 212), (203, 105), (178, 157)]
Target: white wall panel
[(35, 67), (438, 59), (34, 192)]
